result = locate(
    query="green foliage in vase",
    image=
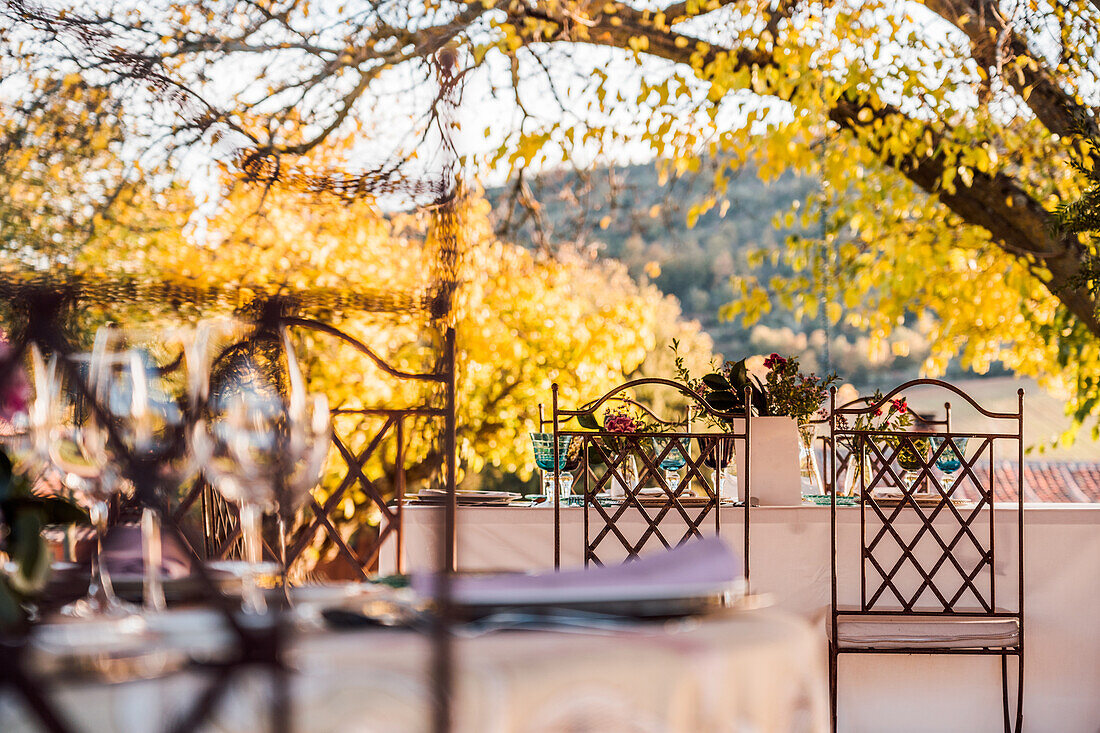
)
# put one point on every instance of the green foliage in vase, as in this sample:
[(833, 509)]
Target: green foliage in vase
[(22, 517), (792, 393)]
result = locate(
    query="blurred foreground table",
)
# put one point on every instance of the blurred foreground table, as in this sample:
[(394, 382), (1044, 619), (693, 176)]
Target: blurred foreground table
[(758, 670)]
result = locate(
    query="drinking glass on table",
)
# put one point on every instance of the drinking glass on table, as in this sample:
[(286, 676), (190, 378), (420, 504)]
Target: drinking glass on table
[(672, 462), (911, 458), (259, 449), (82, 401), (152, 429), (543, 445), (949, 461)]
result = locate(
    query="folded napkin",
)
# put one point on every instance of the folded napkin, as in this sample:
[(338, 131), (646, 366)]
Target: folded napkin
[(695, 567), (122, 553)]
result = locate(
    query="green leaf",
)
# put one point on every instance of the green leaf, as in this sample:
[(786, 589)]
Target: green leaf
[(739, 375), (723, 400), (56, 510), (595, 458), (588, 421), (716, 381), (760, 398), (30, 554), (50, 509), (7, 485), (11, 613)]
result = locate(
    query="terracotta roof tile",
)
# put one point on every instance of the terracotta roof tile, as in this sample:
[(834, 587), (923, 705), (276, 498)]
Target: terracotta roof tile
[(1049, 481)]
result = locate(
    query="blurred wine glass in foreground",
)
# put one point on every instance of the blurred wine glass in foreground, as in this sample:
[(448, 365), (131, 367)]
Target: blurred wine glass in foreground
[(150, 425), (263, 440), (79, 435)]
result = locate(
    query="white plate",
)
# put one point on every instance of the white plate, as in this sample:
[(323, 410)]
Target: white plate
[(92, 636), (328, 594), (240, 569)]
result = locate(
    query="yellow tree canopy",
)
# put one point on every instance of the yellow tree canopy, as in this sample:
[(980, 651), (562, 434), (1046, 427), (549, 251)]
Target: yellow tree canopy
[(943, 132)]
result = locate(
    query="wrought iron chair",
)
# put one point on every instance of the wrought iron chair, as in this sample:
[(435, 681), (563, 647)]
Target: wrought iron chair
[(604, 455), (927, 558)]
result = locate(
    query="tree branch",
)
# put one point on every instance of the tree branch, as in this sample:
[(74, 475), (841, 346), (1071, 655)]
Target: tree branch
[(982, 22), (1021, 227)]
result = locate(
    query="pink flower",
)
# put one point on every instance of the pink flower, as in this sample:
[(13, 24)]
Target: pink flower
[(899, 405), (620, 422), (774, 361), (15, 393)]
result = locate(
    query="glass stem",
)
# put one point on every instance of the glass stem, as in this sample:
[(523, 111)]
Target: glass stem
[(251, 528), (672, 478), (152, 557), (282, 559), (101, 579)]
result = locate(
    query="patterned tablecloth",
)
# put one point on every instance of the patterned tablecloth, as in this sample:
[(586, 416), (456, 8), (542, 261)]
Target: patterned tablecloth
[(759, 670)]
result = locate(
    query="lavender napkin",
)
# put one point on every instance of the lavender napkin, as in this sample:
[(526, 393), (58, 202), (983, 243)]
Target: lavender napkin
[(697, 567), (122, 553)]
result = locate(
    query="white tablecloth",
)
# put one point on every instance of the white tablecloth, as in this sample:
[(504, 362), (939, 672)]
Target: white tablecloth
[(744, 671), (790, 559)]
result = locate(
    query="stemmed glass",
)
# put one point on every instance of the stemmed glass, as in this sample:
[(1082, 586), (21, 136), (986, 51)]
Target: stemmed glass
[(151, 427), (723, 461), (671, 463), (260, 449), (543, 445), (911, 459), (950, 460), (78, 449)]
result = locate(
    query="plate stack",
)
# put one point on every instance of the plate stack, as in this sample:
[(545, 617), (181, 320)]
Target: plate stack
[(464, 498)]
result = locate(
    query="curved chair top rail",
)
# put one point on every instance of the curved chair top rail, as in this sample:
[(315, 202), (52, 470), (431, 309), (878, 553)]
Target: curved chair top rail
[(543, 421), (850, 408), (590, 408), (824, 410)]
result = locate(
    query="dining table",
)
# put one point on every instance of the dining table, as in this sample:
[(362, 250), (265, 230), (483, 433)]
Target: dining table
[(741, 668), (789, 562)]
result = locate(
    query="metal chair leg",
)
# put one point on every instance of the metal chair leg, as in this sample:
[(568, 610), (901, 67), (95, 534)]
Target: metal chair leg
[(1020, 692), (832, 686), (1008, 721)]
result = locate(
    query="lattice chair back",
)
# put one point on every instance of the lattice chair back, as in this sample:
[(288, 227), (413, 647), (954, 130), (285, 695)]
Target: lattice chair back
[(926, 503), (629, 482)]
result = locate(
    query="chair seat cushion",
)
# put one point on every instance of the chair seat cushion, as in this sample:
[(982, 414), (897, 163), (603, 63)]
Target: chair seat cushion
[(924, 632)]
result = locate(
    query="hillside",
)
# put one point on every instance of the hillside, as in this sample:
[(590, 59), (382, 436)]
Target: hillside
[(627, 214)]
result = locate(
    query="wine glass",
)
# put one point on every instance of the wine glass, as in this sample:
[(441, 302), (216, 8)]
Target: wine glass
[(911, 458), (151, 428), (260, 449), (723, 461), (78, 450), (543, 445), (671, 463), (950, 460)]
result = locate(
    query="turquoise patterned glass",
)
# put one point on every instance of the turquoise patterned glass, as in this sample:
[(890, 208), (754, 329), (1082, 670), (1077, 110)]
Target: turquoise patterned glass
[(671, 463), (950, 461), (543, 444)]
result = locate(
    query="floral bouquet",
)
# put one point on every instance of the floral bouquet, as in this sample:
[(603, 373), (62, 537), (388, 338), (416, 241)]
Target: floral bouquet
[(790, 392), (894, 416), (785, 391), (22, 512), (617, 421)]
